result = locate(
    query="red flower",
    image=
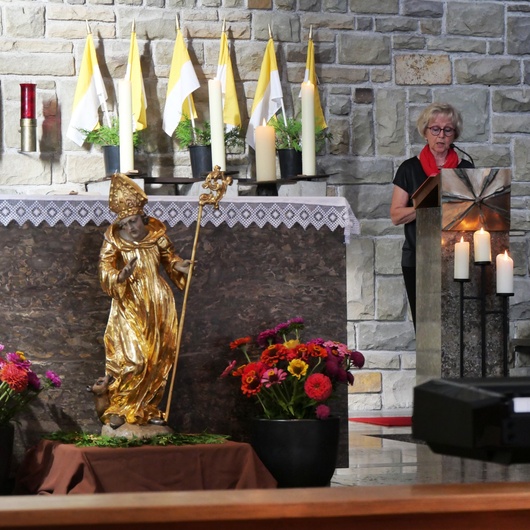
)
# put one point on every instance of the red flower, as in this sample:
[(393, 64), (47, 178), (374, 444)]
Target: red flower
[(318, 387), (251, 379), (240, 342), (15, 376)]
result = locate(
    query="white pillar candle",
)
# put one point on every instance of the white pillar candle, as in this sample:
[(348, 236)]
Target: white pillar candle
[(461, 260), (126, 126), (504, 273), (308, 129), (265, 153), (482, 245), (217, 128)]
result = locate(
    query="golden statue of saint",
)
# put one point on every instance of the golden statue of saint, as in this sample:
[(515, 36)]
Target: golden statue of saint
[(141, 334)]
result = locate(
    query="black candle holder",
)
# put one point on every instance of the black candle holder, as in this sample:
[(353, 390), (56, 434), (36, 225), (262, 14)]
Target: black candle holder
[(483, 320)]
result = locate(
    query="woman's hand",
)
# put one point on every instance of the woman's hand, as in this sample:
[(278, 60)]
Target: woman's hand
[(127, 270), (400, 211)]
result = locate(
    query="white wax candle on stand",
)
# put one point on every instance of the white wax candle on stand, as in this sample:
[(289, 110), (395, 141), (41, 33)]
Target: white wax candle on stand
[(482, 246), (504, 273), (308, 129), (126, 126), (217, 128), (265, 153), (461, 260)]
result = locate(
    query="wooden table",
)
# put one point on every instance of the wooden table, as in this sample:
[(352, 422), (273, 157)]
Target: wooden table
[(56, 468)]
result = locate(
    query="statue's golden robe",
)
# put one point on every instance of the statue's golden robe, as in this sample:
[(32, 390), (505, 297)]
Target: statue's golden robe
[(141, 334)]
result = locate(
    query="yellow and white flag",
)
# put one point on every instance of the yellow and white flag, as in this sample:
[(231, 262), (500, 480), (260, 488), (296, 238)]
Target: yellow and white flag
[(311, 75), (134, 75), (269, 96), (225, 74), (90, 94), (182, 82)]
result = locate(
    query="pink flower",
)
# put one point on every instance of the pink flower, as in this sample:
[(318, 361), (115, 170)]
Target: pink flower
[(322, 412), (228, 369), (273, 376), (53, 378)]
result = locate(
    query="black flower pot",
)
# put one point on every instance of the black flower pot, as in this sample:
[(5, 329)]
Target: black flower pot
[(290, 162), (201, 160), (111, 157), (298, 453), (7, 436)]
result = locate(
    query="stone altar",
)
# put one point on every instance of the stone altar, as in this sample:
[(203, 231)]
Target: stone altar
[(260, 262)]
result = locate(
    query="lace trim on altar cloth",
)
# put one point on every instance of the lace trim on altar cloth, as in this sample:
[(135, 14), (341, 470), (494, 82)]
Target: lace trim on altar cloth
[(319, 212)]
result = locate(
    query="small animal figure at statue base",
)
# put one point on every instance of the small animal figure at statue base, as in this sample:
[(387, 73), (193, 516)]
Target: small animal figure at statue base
[(100, 392)]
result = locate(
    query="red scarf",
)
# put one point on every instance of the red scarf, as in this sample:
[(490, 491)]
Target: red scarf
[(428, 163)]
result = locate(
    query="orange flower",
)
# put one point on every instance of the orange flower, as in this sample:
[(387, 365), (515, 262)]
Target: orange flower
[(251, 379), (15, 376)]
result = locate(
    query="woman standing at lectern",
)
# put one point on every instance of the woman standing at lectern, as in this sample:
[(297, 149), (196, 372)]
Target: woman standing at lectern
[(440, 124)]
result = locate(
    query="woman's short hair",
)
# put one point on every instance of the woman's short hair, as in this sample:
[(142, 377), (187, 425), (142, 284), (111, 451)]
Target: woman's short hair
[(439, 108)]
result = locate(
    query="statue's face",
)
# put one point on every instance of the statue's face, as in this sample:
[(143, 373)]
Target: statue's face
[(133, 227)]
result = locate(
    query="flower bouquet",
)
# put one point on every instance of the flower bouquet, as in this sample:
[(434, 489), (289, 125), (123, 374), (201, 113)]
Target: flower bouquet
[(19, 384), (290, 378)]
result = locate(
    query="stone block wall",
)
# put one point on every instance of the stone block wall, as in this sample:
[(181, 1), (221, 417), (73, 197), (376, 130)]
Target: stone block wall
[(379, 63)]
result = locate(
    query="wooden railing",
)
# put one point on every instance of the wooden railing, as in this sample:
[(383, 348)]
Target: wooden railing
[(419, 507)]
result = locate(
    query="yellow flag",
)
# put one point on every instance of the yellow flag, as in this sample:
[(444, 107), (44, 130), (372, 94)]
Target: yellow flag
[(311, 75), (90, 94), (269, 96), (225, 74), (182, 82), (134, 75)]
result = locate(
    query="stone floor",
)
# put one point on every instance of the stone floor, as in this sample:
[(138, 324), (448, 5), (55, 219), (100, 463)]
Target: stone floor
[(377, 461)]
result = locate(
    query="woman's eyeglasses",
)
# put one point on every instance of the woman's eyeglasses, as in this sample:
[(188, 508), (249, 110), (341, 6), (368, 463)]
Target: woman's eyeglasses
[(435, 130)]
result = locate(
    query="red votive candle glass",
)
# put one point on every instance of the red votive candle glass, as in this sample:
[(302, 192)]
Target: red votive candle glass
[(27, 101)]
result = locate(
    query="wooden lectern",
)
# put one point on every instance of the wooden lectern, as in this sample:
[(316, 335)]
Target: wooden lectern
[(459, 324)]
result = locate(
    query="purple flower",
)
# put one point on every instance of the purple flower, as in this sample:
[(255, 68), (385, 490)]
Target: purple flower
[(322, 412), (53, 378), (357, 358), (34, 381), (267, 337)]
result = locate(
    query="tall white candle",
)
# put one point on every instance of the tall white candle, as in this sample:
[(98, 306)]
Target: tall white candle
[(461, 260), (126, 126), (482, 245), (215, 98), (504, 273), (265, 153), (308, 129)]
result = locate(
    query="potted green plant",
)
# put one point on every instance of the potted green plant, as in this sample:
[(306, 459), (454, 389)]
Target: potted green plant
[(108, 138), (288, 134), (197, 139)]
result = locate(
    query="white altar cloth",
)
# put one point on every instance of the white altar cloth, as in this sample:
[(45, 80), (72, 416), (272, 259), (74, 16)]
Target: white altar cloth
[(330, 212)]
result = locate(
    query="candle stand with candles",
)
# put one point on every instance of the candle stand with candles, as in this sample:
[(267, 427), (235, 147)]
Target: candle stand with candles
[(462, 323)]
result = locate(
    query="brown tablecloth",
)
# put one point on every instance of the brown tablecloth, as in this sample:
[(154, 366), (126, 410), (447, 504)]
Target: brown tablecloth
[(56, 468)]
